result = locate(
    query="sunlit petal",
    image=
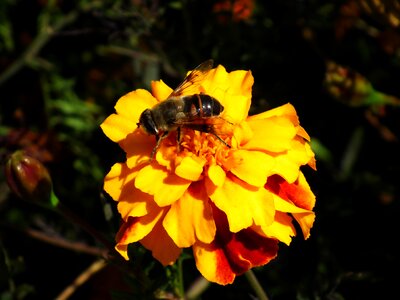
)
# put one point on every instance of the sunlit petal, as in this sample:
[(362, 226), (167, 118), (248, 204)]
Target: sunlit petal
[(164, 186), (190, 218)]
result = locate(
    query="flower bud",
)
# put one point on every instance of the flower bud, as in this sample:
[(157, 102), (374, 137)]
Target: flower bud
[(28, 178)]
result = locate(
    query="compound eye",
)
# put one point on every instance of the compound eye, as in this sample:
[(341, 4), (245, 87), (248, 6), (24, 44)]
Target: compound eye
[(147, 123)]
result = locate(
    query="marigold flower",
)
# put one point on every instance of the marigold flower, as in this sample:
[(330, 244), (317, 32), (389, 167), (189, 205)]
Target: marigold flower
[(232, 206)]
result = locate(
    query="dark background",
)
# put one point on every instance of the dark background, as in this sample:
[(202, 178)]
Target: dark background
[(71, 60)]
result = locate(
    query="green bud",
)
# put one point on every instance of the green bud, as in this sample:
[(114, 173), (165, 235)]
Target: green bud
[(28, 178)]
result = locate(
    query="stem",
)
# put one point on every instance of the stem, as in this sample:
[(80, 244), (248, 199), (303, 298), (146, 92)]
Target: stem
[(255, 284), (66, 212), (181, 289), (197, 288), (95, 267)]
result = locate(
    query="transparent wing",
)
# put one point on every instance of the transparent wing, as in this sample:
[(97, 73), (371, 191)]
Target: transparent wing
[(215, 125), (192, 81)]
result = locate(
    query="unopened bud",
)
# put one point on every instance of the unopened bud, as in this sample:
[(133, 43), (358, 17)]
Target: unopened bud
[(28, 178)]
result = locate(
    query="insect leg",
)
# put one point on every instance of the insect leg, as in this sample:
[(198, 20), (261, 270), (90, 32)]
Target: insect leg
[(178, 139), (159, 139)]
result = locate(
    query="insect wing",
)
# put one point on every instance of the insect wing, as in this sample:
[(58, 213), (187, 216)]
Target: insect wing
[(190, 84), (216, 125)]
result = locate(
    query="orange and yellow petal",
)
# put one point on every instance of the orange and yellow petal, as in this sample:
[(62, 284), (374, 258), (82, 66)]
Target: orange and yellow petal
[(190, 218), (161, 245), (119, 184), (232, 254), (295, 198), (135, 229), (281, 229)]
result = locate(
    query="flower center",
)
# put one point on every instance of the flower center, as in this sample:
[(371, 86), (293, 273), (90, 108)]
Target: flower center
[(205, 145)]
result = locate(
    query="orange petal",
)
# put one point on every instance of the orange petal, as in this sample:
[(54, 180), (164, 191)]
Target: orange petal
[(160, 90), (190, 168), (161, 245), (240, 201), (306, 221), (166, 187), (136, 229), (115, 179), (120, 186), (190, 218), (252, 167), (138, 147)]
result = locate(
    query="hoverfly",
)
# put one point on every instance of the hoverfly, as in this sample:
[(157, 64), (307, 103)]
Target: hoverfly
[(196, 111)]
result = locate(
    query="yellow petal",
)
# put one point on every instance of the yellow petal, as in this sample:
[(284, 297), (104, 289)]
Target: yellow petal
[(242, 203), (242, 133), (190, 218), (287, 111), (281, 229), (241, 82), (252, 167), (164, 186), (131, 105), (160, 90), (117, 127), (273, 134), (287, 165), (216, 174), (190, 168)]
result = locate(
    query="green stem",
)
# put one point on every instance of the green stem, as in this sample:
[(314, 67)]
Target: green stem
[(197, 288), (255, 284), (180, 287), (71, 216)]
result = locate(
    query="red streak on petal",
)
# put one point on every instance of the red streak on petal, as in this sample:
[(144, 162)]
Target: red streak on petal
[(293, 192), (125, 230), (242, 250)]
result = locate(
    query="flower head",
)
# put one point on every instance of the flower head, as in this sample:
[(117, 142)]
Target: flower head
[(28, 178), (231, 205)]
